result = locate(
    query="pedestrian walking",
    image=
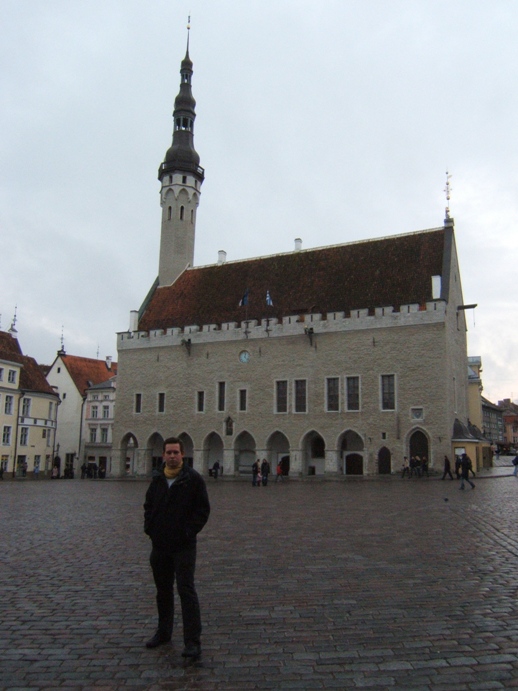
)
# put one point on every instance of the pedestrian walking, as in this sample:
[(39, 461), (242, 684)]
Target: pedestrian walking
[(465, 467), (515, 463), (175, 510), (278, 473), (447, 469), (265, 471), (458, 462), (256, 473), (424, 466), (215, 470), (405, 468)]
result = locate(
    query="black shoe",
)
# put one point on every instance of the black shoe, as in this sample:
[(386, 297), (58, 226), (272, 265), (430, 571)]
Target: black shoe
[(192, 650), (158, 639)]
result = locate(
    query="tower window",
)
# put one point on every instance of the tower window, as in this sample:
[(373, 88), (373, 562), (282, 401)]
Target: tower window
[(169, 213), (192, 215), (184, 179), (170, 179), (182, 209)]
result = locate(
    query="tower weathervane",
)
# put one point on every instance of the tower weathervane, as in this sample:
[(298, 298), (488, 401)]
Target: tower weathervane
[(447, 189)]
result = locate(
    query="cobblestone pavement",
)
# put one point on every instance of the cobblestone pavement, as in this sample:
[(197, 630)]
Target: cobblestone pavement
[(384, 584)]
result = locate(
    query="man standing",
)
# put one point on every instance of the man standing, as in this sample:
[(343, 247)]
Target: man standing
[(175, 510)]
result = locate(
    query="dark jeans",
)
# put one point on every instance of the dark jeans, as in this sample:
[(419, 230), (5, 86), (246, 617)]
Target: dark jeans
[(166, 567)]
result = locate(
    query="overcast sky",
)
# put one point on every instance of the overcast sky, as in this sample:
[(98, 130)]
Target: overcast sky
[(328, 120)]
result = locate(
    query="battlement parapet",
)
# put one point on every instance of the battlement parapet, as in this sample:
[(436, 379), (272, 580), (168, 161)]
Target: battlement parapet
[(431, 312)]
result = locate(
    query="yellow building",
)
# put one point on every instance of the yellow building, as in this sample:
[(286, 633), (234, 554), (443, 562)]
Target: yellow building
[(28, 409)]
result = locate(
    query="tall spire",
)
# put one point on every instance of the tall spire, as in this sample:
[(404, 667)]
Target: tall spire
[(181, 176), (182, 156)]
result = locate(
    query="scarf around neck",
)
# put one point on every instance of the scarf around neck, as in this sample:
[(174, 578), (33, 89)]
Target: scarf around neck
[(171, 473)]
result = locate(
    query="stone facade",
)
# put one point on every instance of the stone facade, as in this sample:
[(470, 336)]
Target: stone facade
[(335, 361)]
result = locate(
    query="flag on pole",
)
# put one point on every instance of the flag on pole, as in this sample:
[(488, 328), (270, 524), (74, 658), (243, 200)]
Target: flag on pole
[(244, 299), (269, 300)]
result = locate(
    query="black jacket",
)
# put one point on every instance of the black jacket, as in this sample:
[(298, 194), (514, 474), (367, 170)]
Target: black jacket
[(173, 516)]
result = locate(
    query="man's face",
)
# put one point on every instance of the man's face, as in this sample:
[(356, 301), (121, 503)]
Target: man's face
[(173, 456)]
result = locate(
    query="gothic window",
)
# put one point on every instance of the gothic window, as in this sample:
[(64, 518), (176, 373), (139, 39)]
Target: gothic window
[(221, 396), (332, 394), (161, 402), (182, 210), (281, 396), (388, 392), (169, 213), (300, 395), (352, 393)]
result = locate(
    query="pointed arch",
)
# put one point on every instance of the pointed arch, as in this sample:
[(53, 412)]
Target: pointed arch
[(351, 448), (384, 461), (278, 451), (213, 450), (129, 454), (154, 451), (313, 449), (188, 448), (244, 452)]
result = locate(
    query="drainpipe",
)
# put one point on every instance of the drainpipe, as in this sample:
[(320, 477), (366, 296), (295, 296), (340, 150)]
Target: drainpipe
[(81, 428), (22, 394)]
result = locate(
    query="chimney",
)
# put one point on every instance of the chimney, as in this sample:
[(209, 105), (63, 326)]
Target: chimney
[(133, 320), (109, 361), (298, 244), (222, 257)]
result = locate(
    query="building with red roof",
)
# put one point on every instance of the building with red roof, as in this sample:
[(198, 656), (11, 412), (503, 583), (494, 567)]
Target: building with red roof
[(28, 410), (333, 361), (71, 376)]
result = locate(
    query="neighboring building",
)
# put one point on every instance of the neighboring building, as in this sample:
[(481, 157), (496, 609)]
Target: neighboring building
[(28, 409), (493, 423), (98, 427), (483, 450), (70, 376), (510, 418), (336, 360)]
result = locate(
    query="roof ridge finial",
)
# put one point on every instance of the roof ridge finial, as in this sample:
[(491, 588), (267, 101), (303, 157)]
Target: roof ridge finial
[(12, 329), (188, 32), (448, 189), (62, 350)]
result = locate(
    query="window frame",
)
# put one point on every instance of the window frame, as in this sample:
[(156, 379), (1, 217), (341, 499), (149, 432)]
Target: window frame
[(285, 395), (160, 404), (348, 395), (329, 409), (297, 382), (221, 396), (383, 393)]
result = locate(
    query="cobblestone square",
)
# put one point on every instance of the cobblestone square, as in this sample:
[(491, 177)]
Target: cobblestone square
[(358, 584)]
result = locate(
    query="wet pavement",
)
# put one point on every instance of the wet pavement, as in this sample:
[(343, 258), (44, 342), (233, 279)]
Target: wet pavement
[(382, 584)]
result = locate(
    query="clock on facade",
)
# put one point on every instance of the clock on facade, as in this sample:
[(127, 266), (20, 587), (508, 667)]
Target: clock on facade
[(244, 356)]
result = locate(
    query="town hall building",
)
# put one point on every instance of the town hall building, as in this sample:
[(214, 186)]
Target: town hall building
[(335, 361)]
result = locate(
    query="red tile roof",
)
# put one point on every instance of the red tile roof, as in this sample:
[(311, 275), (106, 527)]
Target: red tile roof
[(375, 273), (31, 376), (87, 371)]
